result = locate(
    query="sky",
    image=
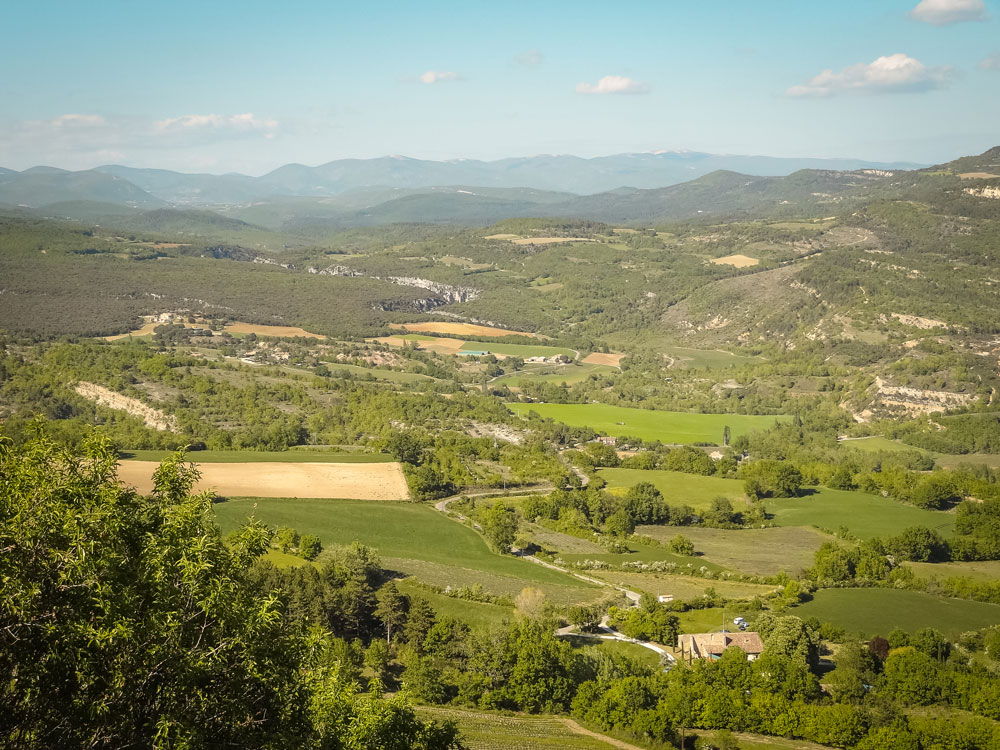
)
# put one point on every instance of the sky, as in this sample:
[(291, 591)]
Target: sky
[(248, 86)]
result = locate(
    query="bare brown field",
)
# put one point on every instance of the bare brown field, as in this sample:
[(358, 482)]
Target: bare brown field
[(353, 481), (549, 240), (603, 358), (460, 329), (977, 175), (502, 237), (271, 330), (740, 261)]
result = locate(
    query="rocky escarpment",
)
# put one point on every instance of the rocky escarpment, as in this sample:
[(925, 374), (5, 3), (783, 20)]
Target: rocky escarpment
[(442, 294)]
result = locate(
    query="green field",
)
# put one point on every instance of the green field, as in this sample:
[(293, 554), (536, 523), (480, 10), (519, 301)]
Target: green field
[(759, 551), (982, 571), (640, 553), (647, 424), (517, 350), (479, 615), (683, 587), (391, 376), (944, 460), (866, 516), (568, 374), (678, 488), (292, 456), (488, 731), (877, 611), (705, 358), (406, 533), (633, 651)]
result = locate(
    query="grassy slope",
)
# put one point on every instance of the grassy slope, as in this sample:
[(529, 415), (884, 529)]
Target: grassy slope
[(665, 426), (489, 731), (760, 551), (866, 516), (403, 532), (944, 460), (479, 615), (677, 488), (877, 611), (569, 374)]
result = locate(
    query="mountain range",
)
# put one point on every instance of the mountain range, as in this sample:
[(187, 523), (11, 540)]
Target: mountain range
[(570, 174), (147, 199)]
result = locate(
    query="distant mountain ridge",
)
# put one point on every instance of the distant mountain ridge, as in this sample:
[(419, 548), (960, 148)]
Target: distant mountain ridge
[(567, 174)]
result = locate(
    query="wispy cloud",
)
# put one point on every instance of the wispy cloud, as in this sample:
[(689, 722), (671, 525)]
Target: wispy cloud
[(613, 85), (945, 12), (438, 76), (83, 140), (77, 120), (897, 73), (991, 63), (531, 58), (237, 123)]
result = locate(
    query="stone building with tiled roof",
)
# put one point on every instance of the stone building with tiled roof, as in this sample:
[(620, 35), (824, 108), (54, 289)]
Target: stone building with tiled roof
[(711, 645)]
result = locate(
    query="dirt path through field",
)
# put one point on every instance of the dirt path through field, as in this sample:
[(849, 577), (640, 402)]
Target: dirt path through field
[(353, 481), (577, 729), (153, 418)]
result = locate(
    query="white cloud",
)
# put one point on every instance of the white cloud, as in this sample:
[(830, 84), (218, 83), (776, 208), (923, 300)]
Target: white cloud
[(436, 76), (188, 123), (897, 73), (75, 120), (991, 63), (531, 58), (613, 85), (945, 12)]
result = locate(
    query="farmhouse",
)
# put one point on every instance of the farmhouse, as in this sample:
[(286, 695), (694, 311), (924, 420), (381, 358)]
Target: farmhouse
[(711, 645), (606, 440)]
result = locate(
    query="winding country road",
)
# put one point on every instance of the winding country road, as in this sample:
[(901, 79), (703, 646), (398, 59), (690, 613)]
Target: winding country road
[(608, 633)]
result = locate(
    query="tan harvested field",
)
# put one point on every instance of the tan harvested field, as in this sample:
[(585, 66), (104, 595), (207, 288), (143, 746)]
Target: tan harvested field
[(502, 237), (149, 328), (602, 358), (271, 330), (549, 240), (443, 346), (460, 329), (977, 175), (740, 261), (349, 481)]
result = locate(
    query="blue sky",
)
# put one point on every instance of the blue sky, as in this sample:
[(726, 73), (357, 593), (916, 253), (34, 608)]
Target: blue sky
[(222, 86)]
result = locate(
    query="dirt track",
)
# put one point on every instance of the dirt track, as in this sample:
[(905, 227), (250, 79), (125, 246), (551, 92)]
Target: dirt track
[(354, 481)]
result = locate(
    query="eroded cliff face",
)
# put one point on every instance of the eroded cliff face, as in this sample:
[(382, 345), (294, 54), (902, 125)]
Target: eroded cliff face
[(984, 192), (441, 293)]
